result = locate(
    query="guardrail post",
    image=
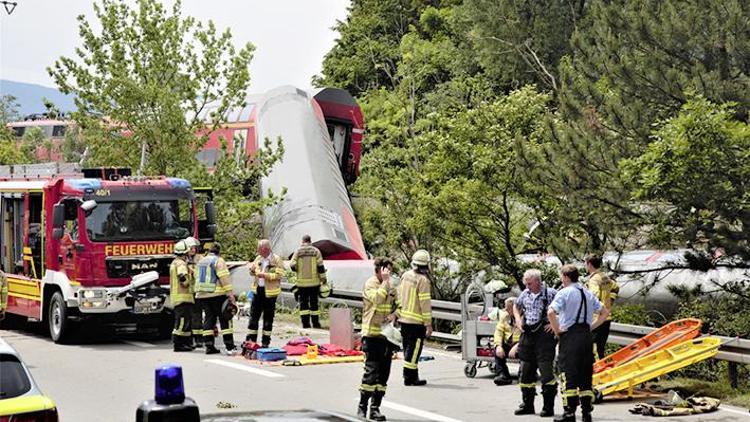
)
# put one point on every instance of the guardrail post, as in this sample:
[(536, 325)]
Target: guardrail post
[(733, 374)]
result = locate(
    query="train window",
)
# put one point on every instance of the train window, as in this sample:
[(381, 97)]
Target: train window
[(58, 131)]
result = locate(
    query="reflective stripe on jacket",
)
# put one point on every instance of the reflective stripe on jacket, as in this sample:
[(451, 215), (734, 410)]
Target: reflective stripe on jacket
[(180, 291), (605, 289), (212, 277), (307, 262), (414, 299), (377, 304), (272, 276)]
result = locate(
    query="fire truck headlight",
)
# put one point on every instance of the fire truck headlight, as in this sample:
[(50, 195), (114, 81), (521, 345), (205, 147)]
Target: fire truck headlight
[(91, 294)]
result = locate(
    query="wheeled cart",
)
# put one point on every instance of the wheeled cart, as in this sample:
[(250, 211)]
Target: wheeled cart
[(476, 336)]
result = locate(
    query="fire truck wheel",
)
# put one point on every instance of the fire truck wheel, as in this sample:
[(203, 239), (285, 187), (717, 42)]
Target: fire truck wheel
[(59, 325)]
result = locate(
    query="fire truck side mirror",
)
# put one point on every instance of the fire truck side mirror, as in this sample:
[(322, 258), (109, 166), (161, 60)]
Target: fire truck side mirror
[(210, 213), (58, 216)]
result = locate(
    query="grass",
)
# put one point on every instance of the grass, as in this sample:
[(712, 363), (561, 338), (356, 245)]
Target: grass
[(687, 387)]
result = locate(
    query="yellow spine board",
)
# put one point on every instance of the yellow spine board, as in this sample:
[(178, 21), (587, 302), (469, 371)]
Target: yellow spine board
[(320, 360), (638, 371)]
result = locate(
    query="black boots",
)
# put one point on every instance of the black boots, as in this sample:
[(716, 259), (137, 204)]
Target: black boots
[(527, 403), (412, 382), (569, 414), (315, 321), (181, 344), (211, 349), (375, 414), (548, 394), (364, 399), (586, 408), (305, 321), (503, 374)]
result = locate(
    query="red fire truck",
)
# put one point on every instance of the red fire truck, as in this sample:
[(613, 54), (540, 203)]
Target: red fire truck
[(94, 244)]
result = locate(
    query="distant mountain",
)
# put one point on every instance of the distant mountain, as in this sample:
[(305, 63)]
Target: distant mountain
[(30, 96)]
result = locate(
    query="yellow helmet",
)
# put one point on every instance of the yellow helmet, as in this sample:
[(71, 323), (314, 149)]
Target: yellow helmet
[(420, 258)]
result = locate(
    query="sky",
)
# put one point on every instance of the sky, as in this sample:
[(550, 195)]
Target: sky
[(290, 36)]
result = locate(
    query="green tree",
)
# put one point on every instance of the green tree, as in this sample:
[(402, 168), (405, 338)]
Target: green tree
[(521, 42), (366, 55), (694, 174), (148, 76), (632, 66)]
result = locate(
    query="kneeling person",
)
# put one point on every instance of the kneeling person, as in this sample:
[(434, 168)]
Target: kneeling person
[(506, 336)]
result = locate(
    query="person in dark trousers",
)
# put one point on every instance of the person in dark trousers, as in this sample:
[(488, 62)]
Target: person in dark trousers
[(378, 300), (193, 257), (606, 290), (415, 314), (307, 262), (536, 347), (213, 286), (571, 317), (267, 270), (181, 297)]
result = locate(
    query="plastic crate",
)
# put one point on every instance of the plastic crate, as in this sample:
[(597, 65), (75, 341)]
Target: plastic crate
[(270, 354)]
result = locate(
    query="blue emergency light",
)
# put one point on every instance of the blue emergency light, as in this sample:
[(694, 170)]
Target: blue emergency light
[(169, 403), (169, 386)]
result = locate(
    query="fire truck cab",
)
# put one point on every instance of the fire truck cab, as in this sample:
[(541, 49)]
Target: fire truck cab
[(94, 244)]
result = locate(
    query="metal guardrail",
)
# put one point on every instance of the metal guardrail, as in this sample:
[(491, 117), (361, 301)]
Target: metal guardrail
[(732, 350)]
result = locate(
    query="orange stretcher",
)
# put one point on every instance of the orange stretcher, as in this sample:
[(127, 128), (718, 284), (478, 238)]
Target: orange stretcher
[(666, 336), (627, 376)]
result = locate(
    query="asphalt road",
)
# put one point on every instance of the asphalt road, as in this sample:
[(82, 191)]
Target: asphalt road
[(106, 379)]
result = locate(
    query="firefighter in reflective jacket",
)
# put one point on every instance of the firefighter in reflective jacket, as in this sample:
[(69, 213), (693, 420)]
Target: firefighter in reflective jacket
[(378, 300), (606, 290), (181, 296), (307, 262), (506, 336), (193, 257), (213, 287), (415, 314), (571, 317), (3, 294), (267, 269)]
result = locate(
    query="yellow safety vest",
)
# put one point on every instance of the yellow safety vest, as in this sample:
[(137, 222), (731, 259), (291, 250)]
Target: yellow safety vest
[(212, 277), (414, 299), (180, 291)]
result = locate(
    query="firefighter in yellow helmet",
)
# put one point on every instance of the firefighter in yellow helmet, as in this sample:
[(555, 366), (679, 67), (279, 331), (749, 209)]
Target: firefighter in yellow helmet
[(193, 256), (3, 294), (307, 262), (378, 300), (267, 269), (606, 290), (213, 286), (181, 296), (415, 314)]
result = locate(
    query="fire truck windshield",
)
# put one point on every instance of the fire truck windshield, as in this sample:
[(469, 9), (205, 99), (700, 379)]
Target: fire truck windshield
[(140, 220)]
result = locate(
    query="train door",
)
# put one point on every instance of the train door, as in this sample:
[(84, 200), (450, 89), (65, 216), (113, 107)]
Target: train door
[(33, 262)]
